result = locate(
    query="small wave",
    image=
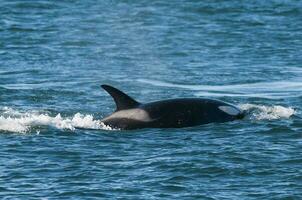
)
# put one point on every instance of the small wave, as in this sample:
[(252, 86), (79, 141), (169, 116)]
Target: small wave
[(262, 112), (22, 122), (268, 90)]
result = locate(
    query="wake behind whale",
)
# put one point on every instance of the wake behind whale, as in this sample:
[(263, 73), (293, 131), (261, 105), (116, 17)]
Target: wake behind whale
[(131, 114), (15, 120)]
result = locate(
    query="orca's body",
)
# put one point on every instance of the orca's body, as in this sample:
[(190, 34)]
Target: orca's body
[(171, 113)]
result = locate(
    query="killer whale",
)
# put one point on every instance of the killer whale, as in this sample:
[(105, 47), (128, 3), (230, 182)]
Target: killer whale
[(170, 113)]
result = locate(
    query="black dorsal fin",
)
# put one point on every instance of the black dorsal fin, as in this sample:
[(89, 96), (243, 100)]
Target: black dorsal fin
[(122, 100)]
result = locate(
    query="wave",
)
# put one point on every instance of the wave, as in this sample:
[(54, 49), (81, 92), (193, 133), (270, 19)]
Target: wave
[(12, 120), (268, 90)]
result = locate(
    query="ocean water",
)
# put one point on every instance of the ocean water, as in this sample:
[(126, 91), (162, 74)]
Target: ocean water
[(54, 55)]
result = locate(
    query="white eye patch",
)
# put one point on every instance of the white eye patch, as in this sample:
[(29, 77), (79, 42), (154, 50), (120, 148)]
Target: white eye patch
[(229, 110)]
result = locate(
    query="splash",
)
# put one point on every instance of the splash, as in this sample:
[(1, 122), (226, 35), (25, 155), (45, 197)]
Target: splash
[(16, 121), (262, 112)]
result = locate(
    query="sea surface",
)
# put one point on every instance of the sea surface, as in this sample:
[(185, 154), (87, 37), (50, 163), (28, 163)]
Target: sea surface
[(54, 55)]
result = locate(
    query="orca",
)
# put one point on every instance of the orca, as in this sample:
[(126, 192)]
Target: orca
[(170, 113)]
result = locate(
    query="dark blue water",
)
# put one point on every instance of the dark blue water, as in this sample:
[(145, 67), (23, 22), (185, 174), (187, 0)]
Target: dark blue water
[(54, 55)]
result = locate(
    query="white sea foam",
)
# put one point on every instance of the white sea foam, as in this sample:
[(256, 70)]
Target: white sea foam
[(17, 121), (262, 112)]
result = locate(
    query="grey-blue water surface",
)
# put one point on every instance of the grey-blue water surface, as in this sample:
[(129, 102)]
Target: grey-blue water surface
[(55, 54)]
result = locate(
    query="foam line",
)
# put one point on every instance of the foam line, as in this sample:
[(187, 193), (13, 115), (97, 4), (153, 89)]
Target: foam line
[(15, 121)]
